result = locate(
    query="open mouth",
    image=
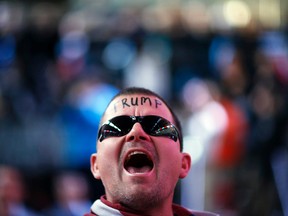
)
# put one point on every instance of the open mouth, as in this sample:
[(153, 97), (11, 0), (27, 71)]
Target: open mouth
[(138, 162)]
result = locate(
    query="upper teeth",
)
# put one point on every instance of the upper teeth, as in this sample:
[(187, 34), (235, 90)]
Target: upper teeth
[(135, 152)]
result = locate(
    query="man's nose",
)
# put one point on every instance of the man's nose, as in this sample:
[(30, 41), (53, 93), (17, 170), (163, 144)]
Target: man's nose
[(137, 133)]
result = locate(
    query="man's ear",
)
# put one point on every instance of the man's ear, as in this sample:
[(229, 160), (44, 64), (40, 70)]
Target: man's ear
[(94, 166), (185, 166)]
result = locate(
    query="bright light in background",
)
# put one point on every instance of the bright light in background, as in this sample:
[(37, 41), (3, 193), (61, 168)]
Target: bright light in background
[(4, 14), (196, 17), (237, 13), (269, 13), (198, 148), (219, 15)]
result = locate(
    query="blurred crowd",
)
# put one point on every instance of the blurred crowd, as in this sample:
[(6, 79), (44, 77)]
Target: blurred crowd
[(59, 68)]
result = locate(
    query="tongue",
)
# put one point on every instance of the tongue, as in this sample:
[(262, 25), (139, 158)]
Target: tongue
[(143, 169)]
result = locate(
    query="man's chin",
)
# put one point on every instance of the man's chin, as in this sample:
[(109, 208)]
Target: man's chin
[(140, 201)]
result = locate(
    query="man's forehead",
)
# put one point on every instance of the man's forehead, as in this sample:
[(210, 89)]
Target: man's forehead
[(138, 102), (128, 101)]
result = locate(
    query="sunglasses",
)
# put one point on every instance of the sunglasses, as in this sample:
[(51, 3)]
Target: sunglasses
[(151, 124)]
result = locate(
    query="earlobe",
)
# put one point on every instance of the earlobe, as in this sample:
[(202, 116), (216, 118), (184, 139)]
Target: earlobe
[(94, 166), (186, 164)]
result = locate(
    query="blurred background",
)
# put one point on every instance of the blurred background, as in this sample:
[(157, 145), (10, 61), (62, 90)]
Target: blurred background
[(221, 64)]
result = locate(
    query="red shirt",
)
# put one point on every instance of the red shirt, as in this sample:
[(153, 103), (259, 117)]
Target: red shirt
[(103, 207)]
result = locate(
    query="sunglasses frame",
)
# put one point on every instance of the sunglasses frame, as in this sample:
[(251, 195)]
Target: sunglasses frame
[(174, 134)]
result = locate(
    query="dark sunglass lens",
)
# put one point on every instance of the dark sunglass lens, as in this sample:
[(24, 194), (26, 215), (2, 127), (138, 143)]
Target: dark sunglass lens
[(152, 125), (157, 126), (116, 127), (108, 130)]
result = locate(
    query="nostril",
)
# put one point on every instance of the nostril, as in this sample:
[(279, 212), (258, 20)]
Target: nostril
[(131, 138), (142, 137)]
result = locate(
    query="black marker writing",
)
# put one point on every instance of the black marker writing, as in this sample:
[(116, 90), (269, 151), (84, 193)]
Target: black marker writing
[(138, 101), (144, 99), (124, 103), (115, 108), (157, 102), (134, 103)]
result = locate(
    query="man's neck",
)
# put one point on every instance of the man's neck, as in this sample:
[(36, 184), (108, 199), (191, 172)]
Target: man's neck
[(160, 210)]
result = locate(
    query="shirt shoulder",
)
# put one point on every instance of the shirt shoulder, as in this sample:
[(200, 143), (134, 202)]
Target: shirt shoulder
[(181, 211)]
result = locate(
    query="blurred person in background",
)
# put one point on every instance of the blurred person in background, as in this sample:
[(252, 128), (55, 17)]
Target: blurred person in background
[(139, 157), (204, 130), (215, 133), (266, 143), (80, 114), (36, 58), (71, 192), (12, 193)]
